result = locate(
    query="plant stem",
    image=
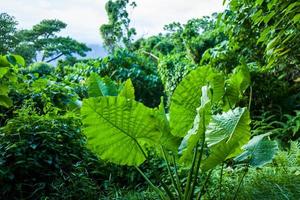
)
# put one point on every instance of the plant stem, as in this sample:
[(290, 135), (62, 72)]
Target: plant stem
[(169, 193), (190, 176), (204, 185), (197, 171), (151, 184), (220, 183), (170, 173), (240, 183), (229, 102), (177, 176), (250, 98), (191, 193)]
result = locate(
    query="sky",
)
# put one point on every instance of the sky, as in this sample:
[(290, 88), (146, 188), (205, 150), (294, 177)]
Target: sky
[(84, 17)]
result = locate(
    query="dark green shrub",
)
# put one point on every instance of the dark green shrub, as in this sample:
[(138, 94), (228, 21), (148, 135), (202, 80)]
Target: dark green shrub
[(45, 156)]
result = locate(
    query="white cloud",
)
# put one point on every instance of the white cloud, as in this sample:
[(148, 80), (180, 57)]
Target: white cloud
[(151, 15), (85, 16)]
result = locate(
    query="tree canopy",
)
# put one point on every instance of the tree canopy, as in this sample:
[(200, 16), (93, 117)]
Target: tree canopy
[(40, 43)]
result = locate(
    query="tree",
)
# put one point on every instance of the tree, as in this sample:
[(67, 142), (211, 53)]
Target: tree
[(117, 33), (42, 40), (7, 31)]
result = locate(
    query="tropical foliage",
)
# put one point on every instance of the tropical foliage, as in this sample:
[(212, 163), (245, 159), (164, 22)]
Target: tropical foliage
[(208, 109)]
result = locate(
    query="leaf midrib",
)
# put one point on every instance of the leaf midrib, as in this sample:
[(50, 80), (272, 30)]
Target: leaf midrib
[(120, 129), (234, 128)]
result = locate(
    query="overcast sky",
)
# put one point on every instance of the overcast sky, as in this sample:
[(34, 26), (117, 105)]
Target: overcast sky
[(85, 16)]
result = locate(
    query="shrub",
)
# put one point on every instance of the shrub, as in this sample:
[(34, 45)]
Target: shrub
[(45, 156), (278, 180)]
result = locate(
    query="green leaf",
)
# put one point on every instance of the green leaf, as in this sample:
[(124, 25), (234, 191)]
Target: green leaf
[(225, 135), (265, 34), (4, 62), (272, 43), (16, 60), (216, 88), (167, 140), (20, 60), (186, 98), (258, 2), (259, 151), (98, 86), (195, 134), (269, 17), (296, 19), (40, 84), (127, 90), (290, 8), (3, 71), (4, 89), (119, 129), (236, 86), (5, 101), (257, 17)]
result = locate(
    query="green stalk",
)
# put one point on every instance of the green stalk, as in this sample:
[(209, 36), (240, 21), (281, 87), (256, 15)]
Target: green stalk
[(177, 176), (190, 176), (169, 193), (220, 183), (196, 173), (204, 185), (229, 102), (199, 159), (240, 183), (170, 173), (250, 98), (156, 189)]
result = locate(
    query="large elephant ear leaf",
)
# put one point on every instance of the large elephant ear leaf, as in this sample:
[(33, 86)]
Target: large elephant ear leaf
[(98, 86), (196, 133), (236, 85), (186, 99), (168, 141), (119, 129), (259, 151), (225, 135)]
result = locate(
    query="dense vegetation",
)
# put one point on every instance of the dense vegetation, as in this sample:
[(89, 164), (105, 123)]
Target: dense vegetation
[(209, 109)]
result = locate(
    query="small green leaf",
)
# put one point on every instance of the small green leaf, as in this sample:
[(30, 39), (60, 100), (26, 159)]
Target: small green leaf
[(4, 62), (258, 2), (236, 86), (98, 86), (16, 60), (259, 151), (5, 101), (127, 90), (296, 19), (3, 71), (4, 89), (269, 17)]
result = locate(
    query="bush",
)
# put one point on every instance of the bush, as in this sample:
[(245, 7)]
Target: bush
[(45, 156), (276, 181)]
